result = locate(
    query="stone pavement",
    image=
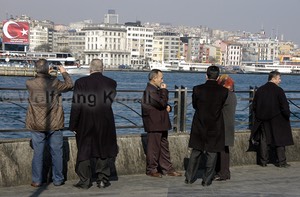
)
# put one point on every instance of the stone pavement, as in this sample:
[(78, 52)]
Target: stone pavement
[(251, 180)]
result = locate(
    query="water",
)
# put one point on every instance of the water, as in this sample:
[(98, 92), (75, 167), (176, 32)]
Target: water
[(127, 107)]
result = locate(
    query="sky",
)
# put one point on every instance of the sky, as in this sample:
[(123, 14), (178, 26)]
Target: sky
[(277, 17)]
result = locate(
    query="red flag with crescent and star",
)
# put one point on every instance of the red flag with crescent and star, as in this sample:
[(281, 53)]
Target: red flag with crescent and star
[(15, 32)]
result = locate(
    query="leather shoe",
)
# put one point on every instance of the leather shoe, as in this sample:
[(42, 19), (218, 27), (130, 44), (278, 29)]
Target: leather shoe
[(82, 186), (218, 178), (285, 165), (188, 182), (174, 174), (59, 184), (36, 184), (103, 184), (155, 174), (204, 184), (263, 165)]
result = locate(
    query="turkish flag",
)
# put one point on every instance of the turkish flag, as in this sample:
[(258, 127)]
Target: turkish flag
[(15, 32)]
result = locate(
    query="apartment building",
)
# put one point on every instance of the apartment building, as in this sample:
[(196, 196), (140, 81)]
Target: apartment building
[(230, 52), (166, 46), (256, 48), (139, 43)]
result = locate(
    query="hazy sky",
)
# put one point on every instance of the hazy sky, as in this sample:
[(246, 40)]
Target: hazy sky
[(276, 16)]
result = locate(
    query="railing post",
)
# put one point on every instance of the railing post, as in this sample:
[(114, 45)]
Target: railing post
[(177, 109), (251, 115), (183, 106)]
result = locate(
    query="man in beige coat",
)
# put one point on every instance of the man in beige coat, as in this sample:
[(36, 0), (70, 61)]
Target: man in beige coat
[(45, 118)]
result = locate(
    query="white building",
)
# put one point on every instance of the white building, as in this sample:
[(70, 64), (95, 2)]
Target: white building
[(255, 49), (38, 36), (106, 42), (233, 54), (139, 43)]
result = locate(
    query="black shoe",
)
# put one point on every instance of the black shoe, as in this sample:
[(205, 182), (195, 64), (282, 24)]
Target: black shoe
[(285, 165), (204, 184), (188, 182), (82, 186), (59, 184), (103, 184), (218, 178), (263, 165)]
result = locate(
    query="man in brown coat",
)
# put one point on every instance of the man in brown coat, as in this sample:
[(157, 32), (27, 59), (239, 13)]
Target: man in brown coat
[(45, 117), (92, 120), (207, 133), (155, 114)]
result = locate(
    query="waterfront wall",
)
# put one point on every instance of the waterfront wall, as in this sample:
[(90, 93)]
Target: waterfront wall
[(16, 155), (17, 71)]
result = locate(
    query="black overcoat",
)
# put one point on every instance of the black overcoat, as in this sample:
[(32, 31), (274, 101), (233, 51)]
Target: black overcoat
[(154, 113), (207, 132), (92, 117), (270, 107)]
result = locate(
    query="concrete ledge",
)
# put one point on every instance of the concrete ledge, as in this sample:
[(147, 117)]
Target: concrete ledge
[(16, 156)]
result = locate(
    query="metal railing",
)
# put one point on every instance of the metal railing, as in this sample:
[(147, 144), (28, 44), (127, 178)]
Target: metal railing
[(127, 109)]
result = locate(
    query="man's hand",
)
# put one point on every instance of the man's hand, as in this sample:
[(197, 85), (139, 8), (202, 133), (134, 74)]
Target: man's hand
[(61, 69), (163, 85), (168, 108)]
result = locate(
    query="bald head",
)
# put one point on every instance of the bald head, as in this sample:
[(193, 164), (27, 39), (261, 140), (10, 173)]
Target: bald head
[(96, 65)]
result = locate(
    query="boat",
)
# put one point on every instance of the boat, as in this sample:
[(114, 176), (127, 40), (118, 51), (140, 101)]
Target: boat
[(179, 65), (182, 65), (26, 60), (285, 67), (163, 66)]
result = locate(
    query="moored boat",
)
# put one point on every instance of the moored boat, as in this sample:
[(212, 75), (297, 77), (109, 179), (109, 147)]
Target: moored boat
[(24, 60), (285, 67), (179, 65)]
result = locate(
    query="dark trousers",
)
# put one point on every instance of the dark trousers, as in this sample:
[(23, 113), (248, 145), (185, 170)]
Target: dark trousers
[(158, 154), (223, 164), (84, 171), (264, 150), (210, 164)]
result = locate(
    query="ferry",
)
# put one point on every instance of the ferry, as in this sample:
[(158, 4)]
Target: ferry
[(179, 65), (285, 67), (27, 59), (163, 66), (182, 65)]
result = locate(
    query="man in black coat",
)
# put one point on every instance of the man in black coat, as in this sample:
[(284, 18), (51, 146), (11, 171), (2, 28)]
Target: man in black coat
[(272, 125), (92, 120), (207, 133), (155, 114)]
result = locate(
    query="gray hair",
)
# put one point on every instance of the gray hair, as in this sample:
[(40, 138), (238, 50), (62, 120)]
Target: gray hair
[(153, 73), (96, 65), (41, 66)]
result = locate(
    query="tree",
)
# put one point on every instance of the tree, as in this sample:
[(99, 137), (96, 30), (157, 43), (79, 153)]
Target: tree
[(43, 48), (212, 60), (66, 50)]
